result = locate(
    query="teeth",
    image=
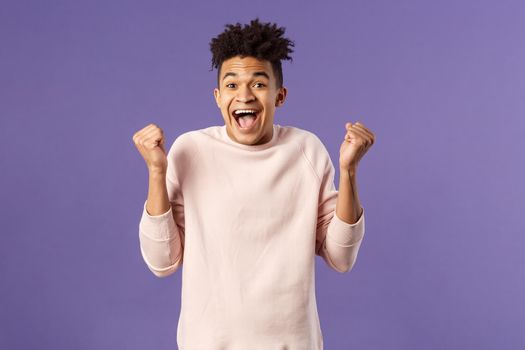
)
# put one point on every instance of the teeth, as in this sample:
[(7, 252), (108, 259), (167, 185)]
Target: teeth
[(239, 111)]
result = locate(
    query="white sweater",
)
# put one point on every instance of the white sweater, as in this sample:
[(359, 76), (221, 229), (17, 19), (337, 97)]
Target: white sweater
[(245, 224)]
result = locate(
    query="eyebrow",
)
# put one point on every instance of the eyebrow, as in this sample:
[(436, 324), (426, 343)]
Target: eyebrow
[(255, 74)]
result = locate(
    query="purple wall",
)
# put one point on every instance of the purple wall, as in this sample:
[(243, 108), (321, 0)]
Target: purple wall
[(440, 83)]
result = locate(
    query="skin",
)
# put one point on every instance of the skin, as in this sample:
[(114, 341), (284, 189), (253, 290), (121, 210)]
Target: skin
[(244, 90)]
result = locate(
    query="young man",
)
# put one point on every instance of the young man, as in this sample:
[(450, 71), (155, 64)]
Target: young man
[(245, 207)]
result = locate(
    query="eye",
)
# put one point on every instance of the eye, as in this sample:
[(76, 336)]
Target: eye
[(228, 85), (260, 84)]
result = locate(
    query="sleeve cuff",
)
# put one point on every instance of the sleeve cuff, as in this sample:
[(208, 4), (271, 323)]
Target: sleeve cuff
[(345, 234), (157, 227), (160, 216)]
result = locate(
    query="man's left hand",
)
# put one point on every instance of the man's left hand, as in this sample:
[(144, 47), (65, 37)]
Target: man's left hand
[(358, 140)]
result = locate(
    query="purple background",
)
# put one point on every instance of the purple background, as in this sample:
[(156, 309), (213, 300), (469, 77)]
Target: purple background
[(440, 83)]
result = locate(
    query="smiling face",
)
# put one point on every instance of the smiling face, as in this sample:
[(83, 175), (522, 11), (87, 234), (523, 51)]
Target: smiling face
[(248, 85)]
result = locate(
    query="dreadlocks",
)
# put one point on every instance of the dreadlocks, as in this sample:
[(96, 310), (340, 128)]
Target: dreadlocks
[(263, 41)]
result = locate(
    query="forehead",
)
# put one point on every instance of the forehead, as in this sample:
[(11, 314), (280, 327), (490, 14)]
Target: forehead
[(245, 66)]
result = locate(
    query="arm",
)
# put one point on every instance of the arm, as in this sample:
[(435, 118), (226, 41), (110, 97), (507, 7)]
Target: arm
[(358, 140), (161, 227), (157, 201), (340, 231), (348, 207), (160, 240)]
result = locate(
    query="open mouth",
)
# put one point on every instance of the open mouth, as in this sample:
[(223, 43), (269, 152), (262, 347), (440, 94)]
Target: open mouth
[(246, 118)]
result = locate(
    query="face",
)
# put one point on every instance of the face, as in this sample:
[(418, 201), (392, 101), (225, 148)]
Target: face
[(248, 84)]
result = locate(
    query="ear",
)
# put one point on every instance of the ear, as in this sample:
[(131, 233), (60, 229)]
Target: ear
[(281, 96), (217, 95)]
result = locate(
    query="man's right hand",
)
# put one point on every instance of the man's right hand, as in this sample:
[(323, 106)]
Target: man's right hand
[(150, 143)]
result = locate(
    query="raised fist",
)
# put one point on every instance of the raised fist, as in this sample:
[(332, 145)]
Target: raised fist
[(150, 143)]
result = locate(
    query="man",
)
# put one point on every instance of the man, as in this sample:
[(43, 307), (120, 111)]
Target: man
[(246, 206)]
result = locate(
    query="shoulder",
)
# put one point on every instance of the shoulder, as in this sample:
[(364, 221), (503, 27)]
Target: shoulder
[(308, 141), (183, 142), (192, 138), (189, 143), (182, 150), (305, 139), (312, 148)]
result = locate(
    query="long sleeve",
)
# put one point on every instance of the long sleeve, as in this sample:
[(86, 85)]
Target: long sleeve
[(337, 241), (162, 236), (160, 242)]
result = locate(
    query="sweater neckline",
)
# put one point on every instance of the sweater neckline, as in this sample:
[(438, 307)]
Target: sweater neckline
[(273, 141)]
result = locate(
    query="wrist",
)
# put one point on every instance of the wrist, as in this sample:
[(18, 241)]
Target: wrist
[(348, 171), (157, 173)]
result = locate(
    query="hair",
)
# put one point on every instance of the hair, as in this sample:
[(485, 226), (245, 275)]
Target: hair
[(263, 41)]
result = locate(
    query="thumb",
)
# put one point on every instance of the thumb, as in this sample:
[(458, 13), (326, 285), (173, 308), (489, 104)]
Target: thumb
[(161, 145)]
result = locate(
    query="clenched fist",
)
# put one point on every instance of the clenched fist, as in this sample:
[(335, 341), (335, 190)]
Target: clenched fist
[(150, 143), (358, 140)]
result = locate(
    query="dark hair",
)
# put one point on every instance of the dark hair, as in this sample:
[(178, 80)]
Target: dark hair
[(263, 41)]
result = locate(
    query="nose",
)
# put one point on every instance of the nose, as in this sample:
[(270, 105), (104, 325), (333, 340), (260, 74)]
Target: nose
[(244, 94)]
